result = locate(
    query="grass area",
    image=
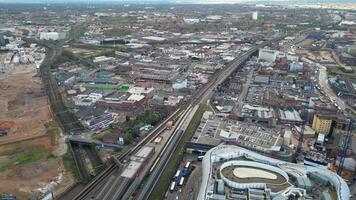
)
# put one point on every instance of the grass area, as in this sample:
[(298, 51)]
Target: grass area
[(336, 71), (21, 154), (53, 131), (65, 56), (152, 118), (70, 166), (166, 177)]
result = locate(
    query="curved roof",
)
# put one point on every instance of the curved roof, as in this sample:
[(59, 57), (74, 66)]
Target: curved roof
[(228, 152)]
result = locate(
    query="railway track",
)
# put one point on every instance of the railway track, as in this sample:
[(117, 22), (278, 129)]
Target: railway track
[(66, 119), (202, 94), (84, 194), (109, 171)]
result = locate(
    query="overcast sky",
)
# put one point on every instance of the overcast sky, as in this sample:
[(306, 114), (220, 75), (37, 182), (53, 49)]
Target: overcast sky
[(170, 1)]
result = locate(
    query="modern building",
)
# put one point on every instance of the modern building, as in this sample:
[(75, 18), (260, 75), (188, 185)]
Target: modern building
[(255, 15), (250, 175), (267, 55), (49, 36), (322, 124), (296, 67)]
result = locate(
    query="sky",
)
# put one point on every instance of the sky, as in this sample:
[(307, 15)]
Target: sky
[(169, 1)]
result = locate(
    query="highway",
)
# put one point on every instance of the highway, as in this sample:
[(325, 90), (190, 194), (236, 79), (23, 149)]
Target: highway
[(201, 97), (127, 188)]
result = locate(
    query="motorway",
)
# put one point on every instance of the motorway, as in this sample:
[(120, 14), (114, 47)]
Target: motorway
[(190, 189), (127, 188), (203, 98)]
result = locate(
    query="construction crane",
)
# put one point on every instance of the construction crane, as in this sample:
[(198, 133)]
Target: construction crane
[(345, 146), (301, 135)]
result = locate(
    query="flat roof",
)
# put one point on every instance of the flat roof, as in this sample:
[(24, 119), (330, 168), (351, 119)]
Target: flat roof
[(131, 170), (144, 152)]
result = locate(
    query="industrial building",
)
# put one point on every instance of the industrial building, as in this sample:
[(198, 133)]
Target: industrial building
[(267, 55), (232, 172), (217, 129), (49, 36)]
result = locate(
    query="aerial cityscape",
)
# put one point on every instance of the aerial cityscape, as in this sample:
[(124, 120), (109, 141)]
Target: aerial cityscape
[(177, 100)]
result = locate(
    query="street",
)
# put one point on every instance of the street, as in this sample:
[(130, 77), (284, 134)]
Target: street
[(323, 82)]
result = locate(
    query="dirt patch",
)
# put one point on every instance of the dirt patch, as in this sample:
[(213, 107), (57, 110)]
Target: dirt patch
[(23, 100), (45, 173), (39, 176), (30, 154)]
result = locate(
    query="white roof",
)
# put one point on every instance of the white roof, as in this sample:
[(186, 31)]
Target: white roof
[(144, 151), (140, 90), (131, 169), (229, 152), (136, 97), (154, 38)]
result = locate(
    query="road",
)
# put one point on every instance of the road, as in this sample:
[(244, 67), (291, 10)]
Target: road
[(167, 154), (201, 96), (190, 189), (244, 92), (324, 85)]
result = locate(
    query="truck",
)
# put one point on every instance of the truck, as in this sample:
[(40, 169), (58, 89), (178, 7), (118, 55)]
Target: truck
[(176, 176), (3, 133), (181, 182), (186, 170), (173, 186)]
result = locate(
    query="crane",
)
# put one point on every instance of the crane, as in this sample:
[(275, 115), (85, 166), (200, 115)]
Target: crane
[(345, 146)]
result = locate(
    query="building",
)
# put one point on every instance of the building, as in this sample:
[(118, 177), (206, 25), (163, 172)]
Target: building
[(49, 36), (296, 67), (322, 124), (137, 162), (267, 55), (250, 175), (255, 15), (342, 87), (87, 100)]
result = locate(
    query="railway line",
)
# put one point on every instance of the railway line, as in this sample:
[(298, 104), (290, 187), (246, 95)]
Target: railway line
[(116, 167), (202, 97), (111, 174), (67, 120)]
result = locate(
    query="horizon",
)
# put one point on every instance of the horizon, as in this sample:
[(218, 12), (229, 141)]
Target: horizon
[(138, 2)]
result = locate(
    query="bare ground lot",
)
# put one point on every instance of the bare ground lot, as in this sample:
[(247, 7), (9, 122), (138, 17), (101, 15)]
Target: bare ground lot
[(30, 165), (30, 155), (23, 101)]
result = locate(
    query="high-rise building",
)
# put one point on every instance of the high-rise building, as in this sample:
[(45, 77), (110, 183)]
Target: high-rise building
[(255, 15), (322, 124)]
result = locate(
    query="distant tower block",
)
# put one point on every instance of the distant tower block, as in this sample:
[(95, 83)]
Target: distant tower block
[(255, 15)]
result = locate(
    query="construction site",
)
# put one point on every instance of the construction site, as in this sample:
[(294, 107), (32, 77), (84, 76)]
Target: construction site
[(30, 142)]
